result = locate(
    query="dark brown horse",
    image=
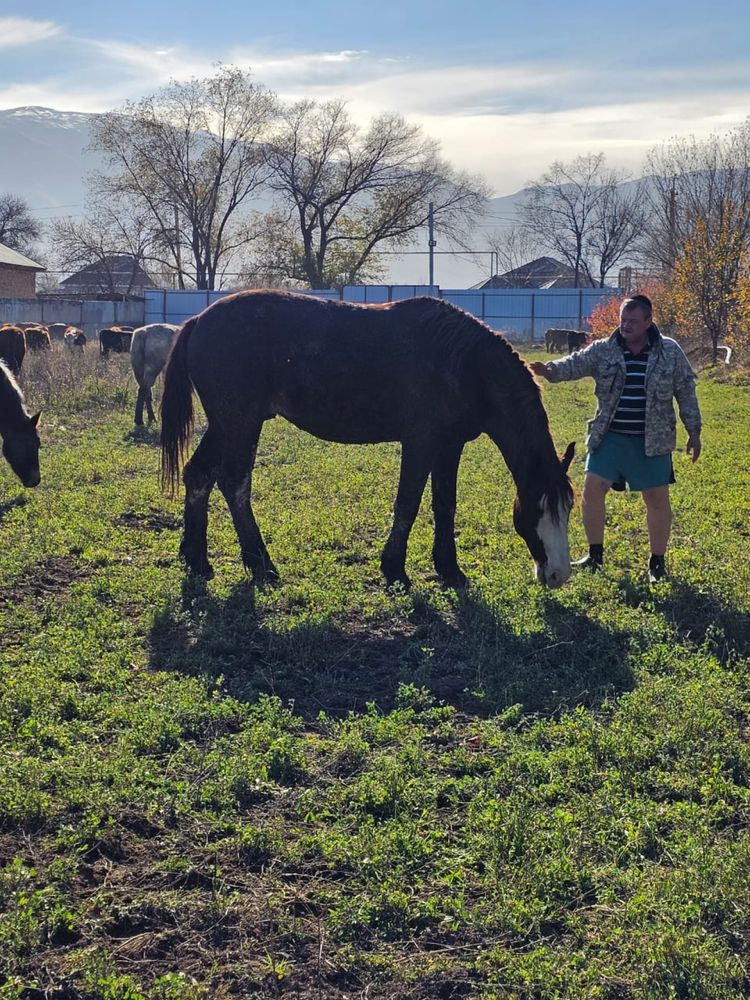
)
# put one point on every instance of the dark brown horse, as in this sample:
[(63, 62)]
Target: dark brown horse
[(18, 431), (419, 371)]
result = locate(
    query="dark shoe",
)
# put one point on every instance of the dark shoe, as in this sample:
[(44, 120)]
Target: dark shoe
[(592, 563), (657, 569)]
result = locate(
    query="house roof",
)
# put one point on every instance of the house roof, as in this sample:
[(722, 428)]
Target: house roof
[(543, 272), (117, 268), (16, 259)]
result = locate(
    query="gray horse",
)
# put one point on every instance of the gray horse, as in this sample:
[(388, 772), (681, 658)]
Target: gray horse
[(149, 350)]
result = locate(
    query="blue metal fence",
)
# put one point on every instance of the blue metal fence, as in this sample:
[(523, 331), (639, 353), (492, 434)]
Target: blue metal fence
[(522, 314)]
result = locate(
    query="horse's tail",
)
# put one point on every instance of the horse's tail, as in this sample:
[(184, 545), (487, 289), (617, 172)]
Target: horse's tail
[(176, 410)]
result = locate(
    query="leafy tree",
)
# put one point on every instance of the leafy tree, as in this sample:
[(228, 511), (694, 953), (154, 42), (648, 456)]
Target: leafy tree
[(698, 228), (18, 228), (711, 280), (346, 194), (189, 160), (694, 181)]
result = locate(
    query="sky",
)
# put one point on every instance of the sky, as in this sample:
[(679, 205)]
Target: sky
[(506, 88)]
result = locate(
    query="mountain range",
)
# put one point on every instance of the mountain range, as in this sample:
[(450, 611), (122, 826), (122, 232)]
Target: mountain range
[(46, 160)]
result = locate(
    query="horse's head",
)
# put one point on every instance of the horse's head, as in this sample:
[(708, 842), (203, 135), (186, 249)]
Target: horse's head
[(541, 519), (21, 450)]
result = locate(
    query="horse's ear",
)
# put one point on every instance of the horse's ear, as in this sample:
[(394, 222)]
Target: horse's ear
[(35, 418), (568, 456)]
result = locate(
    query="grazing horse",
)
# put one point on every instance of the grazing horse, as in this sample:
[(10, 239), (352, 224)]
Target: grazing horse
[(419, 371), (12, 347), (149, 350), (114, 338), (18, 431)]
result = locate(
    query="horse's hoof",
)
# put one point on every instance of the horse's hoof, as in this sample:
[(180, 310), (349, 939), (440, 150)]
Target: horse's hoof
[(205, 571), (454, 581), (266, 577), (398, 582), (198, 567)]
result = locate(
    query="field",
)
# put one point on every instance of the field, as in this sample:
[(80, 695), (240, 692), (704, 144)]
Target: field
[(324, 790)]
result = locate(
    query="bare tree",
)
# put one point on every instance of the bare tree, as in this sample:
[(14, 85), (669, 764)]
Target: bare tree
[(617, 223), (693, 179), (344, 194), (18, 228), (190, 159), (584, 213), (560, 209), (115, 236), (514, 246)]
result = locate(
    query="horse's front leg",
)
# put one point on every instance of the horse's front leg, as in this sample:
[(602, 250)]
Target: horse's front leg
[(415, 468), (199, 478), (444, 474), (235, 482)]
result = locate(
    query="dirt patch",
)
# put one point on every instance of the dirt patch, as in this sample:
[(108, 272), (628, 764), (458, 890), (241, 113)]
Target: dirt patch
[(49, 578), (153, 520)]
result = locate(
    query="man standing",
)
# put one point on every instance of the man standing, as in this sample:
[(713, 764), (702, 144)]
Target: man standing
[(637, 374)]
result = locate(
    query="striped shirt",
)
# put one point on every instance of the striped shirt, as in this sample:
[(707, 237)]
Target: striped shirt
[(630, 415)]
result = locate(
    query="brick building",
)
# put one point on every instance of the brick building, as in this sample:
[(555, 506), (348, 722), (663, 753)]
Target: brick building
[(17, 274)]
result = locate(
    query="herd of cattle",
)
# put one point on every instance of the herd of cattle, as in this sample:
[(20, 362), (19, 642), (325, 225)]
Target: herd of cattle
[(149, 348), (16, 339)]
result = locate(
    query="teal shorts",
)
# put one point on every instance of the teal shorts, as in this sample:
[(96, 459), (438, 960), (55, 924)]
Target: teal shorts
[(621, 459)]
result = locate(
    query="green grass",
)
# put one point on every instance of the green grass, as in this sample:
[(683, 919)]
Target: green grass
[(324, 790)]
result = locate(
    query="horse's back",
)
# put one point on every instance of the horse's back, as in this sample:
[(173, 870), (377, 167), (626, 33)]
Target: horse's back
[(342, 371)]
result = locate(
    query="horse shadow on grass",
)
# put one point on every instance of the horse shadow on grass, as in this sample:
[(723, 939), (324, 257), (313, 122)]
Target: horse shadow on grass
[(469, 657), (8, 505)]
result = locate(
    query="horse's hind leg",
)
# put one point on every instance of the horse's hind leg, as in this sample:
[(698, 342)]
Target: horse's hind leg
[(138, 418), (415, 468), (444, 473), (235, 482), (199, 478)]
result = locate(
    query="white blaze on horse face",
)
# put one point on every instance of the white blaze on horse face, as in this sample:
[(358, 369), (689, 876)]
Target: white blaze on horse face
[(553, 533)]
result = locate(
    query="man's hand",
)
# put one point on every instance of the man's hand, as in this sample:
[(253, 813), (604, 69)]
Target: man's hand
[(539, 368), (694, 446)]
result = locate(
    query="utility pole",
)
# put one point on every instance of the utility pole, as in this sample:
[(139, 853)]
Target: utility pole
[(672, 222), (177, 253), (432, 243)]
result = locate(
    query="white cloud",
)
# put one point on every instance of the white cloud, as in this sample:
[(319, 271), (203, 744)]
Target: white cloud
[(507, 121), (18, 31)]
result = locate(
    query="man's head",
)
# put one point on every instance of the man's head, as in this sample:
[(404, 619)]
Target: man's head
[(635, 320)]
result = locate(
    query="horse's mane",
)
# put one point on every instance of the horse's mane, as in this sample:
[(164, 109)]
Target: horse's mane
[(457, 336), (11, 397), (462, 339)]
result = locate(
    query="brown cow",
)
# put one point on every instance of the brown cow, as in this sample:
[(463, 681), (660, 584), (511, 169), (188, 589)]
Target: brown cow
[(559, 341), (12, 347), (74, 339), (37, 338)]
